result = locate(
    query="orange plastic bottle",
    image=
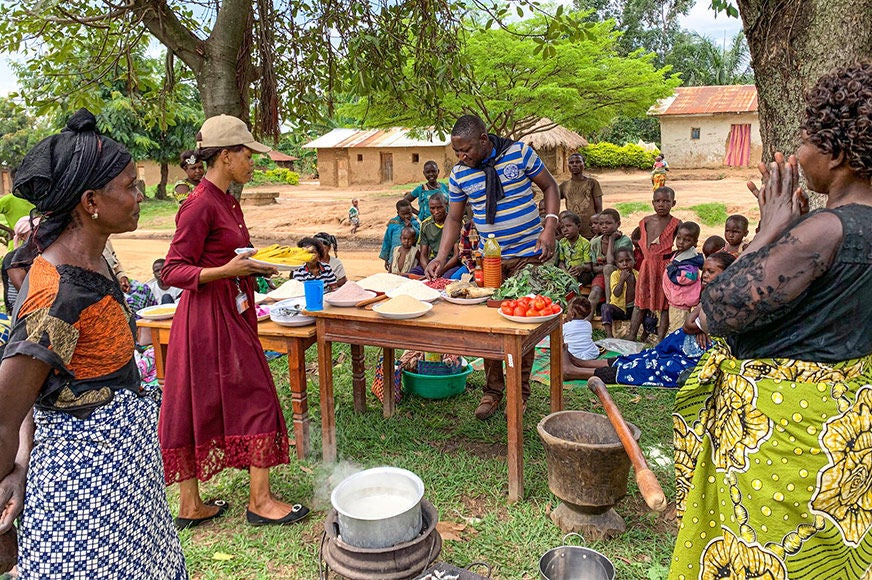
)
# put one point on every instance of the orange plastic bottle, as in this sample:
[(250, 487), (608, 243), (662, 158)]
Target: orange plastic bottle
[(493, 269)]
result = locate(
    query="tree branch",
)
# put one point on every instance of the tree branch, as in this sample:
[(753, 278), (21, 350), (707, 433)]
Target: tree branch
[(163, 24)]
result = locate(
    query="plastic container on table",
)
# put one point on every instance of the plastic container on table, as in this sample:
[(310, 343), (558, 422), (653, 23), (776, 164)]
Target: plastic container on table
[(492, 264), (314, 293)]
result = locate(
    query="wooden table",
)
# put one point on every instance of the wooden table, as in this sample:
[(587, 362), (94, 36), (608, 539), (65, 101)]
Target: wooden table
[(292, 341), (448, 328)]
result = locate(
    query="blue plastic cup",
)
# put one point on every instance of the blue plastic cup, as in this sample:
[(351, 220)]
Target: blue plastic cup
[(314, 290)]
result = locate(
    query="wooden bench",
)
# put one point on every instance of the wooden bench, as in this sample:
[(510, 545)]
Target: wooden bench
[(258, 197)]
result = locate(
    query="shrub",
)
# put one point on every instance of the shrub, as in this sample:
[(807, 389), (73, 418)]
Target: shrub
[(278, 175), (605, 154)]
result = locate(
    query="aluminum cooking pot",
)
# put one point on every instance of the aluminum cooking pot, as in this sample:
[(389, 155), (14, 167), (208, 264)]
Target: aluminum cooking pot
[(379, 507), (575, 563)]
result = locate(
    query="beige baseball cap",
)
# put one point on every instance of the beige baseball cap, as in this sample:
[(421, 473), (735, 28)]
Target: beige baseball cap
[(227, 131)]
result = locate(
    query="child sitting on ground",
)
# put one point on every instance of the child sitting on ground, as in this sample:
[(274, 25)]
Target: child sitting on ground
[(735, 230), (391, 240), (602, 254), (573, 251), (577, 331), (406, 254), (658, 233), (622, 284), (681, 279), (163, 293), (713, 245)]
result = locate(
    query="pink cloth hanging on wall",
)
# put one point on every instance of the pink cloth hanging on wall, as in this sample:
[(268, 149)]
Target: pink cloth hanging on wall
[(738, 146)]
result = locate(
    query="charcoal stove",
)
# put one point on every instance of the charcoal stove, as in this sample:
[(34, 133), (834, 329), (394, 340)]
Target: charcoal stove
[(398, 562)]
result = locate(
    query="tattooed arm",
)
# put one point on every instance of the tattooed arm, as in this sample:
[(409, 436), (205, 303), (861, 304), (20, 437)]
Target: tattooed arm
[(762, 282)]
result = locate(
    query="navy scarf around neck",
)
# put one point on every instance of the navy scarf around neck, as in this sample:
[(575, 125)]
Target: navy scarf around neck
[(493, 185)]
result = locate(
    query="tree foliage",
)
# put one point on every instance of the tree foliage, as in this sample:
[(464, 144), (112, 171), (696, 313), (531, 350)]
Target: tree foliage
[(700, 60), (649, 24), (582, 84), (18, 132), (284, 59), (150, 118)]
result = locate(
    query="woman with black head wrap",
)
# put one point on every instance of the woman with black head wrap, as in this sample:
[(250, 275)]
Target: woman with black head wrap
[(95, 505)]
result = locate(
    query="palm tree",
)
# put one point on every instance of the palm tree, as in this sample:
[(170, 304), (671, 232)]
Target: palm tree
[(701, 61)]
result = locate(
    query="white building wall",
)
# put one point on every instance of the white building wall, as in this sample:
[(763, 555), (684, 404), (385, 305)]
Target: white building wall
[(709, 150)]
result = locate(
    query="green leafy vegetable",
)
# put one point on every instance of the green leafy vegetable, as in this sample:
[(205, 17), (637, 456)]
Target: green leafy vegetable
[(546, 280)]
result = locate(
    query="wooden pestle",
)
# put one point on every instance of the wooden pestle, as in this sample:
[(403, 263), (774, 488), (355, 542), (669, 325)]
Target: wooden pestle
[(645, 478)]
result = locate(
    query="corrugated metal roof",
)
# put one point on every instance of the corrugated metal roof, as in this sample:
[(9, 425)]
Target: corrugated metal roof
[(707, 101), (393, 137)]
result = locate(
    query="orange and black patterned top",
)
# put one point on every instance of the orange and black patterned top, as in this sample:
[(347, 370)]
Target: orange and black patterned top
[(78, 322)]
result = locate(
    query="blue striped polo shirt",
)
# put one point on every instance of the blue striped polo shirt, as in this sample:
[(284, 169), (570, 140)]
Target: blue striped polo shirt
[(517, 225)]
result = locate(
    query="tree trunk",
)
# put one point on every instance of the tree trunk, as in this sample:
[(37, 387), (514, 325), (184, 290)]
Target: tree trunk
[(161, 192), (792, 44)]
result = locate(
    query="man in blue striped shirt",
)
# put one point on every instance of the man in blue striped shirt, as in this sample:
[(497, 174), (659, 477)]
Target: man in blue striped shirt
[(495, 176)]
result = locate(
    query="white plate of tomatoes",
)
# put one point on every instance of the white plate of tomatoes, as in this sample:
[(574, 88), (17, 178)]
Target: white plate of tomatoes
[(530, 309)]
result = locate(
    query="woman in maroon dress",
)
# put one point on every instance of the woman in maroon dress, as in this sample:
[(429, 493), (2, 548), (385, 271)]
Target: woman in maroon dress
[(220, 405)]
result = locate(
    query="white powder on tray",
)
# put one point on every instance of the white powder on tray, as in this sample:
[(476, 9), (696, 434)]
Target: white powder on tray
[(382, 282), (417, 290)]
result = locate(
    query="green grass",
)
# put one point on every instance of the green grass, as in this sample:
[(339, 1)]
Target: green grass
[(629, 207), (711, 214), (155, 214), (462, 462)]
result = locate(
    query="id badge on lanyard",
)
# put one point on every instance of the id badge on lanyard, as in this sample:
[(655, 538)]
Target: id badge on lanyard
[(241, 299)]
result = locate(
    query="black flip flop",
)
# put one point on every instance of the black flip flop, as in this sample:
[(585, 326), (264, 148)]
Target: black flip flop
[(297, 513), (188, 523)]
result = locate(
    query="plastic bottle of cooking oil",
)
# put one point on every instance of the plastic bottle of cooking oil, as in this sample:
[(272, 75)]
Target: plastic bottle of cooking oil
[(493, 270)]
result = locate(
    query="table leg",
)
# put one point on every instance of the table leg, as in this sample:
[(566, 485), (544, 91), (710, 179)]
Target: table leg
[(160, 353), (388, 403), (557, 369), (299, 395), (514, 418), (328, 409), (358, 378)]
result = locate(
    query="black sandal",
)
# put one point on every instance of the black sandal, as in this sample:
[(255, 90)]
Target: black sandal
[(297, 513), (188, 523)]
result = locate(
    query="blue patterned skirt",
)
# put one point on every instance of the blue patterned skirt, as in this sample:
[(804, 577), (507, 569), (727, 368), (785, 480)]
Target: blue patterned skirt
[(96, 504)]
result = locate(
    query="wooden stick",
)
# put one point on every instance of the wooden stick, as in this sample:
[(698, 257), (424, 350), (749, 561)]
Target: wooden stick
[(645, 478), (372, 300)]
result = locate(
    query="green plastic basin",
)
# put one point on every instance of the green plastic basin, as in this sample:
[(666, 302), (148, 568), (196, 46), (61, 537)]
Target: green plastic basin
[(437, 386)]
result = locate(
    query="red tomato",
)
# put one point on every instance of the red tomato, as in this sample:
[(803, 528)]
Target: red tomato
[(519, 311), (547, 300), (539, 304), (555, 308), (511, 304), (507, 309), (530, 312)]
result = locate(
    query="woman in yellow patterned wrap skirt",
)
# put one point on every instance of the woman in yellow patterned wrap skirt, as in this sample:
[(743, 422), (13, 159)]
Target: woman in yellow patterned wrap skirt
[(773, 431)]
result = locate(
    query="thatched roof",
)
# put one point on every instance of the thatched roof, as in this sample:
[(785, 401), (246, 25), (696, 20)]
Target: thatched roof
[(541, 137)]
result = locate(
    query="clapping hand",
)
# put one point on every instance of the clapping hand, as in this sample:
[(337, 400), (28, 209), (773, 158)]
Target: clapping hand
[(780, 197)]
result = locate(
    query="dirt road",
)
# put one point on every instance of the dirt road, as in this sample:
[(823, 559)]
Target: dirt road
[(309, 208)]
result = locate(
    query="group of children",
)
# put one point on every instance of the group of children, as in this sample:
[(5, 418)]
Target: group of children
[(654, 274), (651, 279)]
